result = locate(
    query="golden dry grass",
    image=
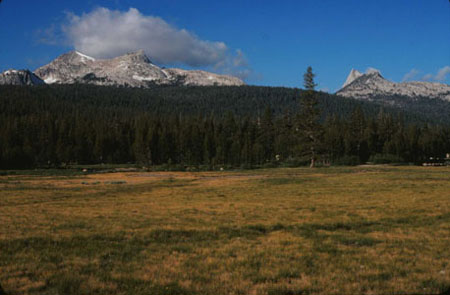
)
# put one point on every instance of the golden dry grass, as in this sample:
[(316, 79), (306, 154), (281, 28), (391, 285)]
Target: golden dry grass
[(361, 230)]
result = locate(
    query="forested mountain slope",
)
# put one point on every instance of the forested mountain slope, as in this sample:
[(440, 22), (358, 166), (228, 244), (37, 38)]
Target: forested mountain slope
[(241, 100)]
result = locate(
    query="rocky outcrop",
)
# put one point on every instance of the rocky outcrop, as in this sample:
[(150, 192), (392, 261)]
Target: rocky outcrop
[(19, 77)]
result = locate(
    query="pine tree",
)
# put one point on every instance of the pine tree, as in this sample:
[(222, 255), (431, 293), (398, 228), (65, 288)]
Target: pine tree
[(310, 128)]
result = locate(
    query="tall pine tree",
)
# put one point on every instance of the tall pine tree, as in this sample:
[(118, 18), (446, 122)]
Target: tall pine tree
[(310, 128)]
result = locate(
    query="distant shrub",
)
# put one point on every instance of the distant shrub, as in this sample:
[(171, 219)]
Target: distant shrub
[(116, 182)]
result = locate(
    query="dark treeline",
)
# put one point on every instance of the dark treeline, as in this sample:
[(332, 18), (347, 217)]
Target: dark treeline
[(210, 126)]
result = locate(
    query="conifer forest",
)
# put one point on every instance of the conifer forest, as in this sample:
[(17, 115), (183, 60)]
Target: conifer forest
[(209, 127)]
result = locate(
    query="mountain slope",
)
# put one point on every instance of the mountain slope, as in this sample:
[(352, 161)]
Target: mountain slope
[(132, 69), (249, 101), (19, 77), (372, 86)]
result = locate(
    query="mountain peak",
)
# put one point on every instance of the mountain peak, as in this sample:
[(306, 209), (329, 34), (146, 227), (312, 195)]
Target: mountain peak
[(133, 69), (138, 56), (372, 85), (373, 73), (354, 74), (74, 57), (139, 52)]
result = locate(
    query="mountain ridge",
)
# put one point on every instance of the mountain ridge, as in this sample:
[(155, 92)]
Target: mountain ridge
[(133, 69), (372, 85)]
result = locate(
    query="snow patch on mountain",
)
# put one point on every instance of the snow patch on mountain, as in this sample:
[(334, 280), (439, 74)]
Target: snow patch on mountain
[(84, 57), (140, 78), (9, 72), (50, 80)]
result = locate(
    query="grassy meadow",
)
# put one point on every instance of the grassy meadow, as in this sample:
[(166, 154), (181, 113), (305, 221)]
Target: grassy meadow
[(349, 230)]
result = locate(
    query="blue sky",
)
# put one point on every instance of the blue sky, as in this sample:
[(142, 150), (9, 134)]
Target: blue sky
[(267, 42)]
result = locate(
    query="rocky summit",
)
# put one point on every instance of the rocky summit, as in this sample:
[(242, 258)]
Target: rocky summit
[(372, 85), (133, 70), (19, 77)]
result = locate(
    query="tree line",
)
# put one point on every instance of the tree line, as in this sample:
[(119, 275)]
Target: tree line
[(53, 126)]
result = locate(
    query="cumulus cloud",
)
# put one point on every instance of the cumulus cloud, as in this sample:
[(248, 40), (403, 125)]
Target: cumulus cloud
[(410, 75), (105, 33)]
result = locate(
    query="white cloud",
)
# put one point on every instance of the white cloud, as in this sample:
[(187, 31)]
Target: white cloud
[(427, 77), (439, 77), (240, 60), (410, 75), (105, 33), (442, 73), (236, 65)]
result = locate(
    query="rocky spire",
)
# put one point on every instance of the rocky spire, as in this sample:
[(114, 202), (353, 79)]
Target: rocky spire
[(354, 74)]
